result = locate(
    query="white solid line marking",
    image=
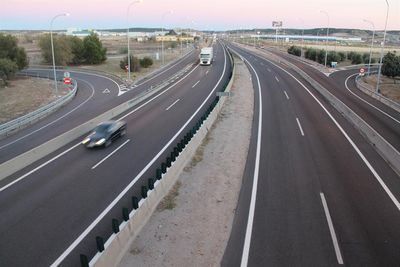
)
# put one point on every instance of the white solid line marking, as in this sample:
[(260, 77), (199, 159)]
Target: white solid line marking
[(331, 229), (268, 69), (133, 182), (287, 96), (207, 72), (109, 155), (195, 84), (249, 227), (345, 83), (39, 167), (170, 106), (360, 154), (301, 129), (276, 78)]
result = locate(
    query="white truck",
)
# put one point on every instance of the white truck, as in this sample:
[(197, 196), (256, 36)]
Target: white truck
[(206, 56)]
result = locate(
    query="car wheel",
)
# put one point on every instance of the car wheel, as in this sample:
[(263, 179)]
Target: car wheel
[(107, 143)]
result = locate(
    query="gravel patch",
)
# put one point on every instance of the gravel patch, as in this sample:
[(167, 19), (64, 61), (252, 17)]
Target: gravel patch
[(191, 226)]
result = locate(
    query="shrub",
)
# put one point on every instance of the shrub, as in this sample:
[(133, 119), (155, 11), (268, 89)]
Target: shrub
[(8, 68), (146, 62), (321, 56), (342, 56), (356, 59), (311, 54), (9, 49), (294, 50), (135, 65), (391, 65)]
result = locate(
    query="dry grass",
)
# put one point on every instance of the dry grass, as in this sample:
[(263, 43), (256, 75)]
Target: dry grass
[(389, 87), (169, 201), (24, 95)]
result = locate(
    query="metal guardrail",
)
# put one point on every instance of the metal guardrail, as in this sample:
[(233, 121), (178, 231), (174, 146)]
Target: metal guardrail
[(389, 102), (27, 119)]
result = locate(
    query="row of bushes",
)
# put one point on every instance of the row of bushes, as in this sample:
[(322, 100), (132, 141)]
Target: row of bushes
[(136, 63), (318, 55)]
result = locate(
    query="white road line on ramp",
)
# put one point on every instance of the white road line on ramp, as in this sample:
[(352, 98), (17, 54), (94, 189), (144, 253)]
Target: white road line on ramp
[(276, 78), (194, 85), (301, 129), (287, 96), (383, 112), (170, 106), (331, 229), (109, 155)]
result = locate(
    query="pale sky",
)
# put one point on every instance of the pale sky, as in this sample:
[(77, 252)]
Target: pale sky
[(199, 14)]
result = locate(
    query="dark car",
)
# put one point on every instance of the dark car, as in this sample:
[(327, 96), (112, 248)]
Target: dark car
[(105, 133)]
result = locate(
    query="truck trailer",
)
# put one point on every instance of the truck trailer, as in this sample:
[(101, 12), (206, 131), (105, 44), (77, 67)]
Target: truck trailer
[(206, 56)]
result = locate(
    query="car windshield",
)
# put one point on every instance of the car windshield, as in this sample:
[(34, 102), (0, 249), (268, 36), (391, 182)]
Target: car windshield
[(102, 128)]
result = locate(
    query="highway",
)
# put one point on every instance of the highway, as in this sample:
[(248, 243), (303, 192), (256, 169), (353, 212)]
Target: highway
[(314, 192), (380, 117), (91, 100), (67, 198)]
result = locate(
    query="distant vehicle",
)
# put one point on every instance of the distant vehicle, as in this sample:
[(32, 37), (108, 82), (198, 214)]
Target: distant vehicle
[(206, 56), (105, 133)]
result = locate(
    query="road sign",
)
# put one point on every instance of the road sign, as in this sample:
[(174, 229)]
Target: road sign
[(67, 74), (362, 72), (277, 24), (67, 80), (126, 67)]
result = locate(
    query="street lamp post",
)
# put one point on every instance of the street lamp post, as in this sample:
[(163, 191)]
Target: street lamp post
[(327, 34), (52, 48), (302, 36), (382, 46), (372, 45), (127, 36), (162, 37)]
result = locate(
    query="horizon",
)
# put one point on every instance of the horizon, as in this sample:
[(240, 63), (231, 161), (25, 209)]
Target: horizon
[(220, 16)]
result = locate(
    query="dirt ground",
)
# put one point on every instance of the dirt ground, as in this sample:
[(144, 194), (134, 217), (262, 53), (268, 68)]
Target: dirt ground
[(192, 224), (389, 87), (24, 95)]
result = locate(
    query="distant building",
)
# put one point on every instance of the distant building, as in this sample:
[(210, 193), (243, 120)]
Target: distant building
[(287, 38)]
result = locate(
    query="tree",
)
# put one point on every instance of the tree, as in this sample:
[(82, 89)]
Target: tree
[(321, 56), (135, 64), (8, 68), (294, 50), (62, 50), (356, 59), (311, 53), (77, 49), (391, 65), (9, 49), (94, 53), (146, 62)]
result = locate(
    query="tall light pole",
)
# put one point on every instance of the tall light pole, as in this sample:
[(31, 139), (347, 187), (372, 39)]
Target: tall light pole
[(327, 34), (382, 46), (372, 45), (302, 36), (52, 48), (162, 37), (127, 36)]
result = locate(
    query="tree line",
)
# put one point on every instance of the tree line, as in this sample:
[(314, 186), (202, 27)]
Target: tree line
[(73, 50), (390, 62)]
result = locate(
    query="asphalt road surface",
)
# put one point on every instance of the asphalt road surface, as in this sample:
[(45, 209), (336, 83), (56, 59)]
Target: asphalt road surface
[(54, 213), (314, 192), (96, 94)]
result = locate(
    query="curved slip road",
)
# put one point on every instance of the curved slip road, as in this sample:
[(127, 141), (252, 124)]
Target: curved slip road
[(52, 222), (316, 193)]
